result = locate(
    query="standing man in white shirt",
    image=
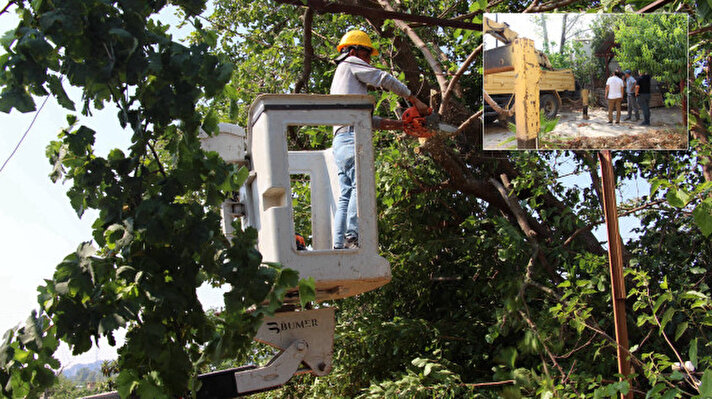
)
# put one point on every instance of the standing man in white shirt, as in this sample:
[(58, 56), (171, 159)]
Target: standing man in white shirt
[(614, 93), (352, 76)]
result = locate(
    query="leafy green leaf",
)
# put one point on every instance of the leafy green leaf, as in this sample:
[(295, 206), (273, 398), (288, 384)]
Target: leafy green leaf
[(703, 216), (667, 316), (655, 185), (693, 351), (428, 368), (706, 384), (16, 98), (307, 291), (55, 86), (681, 328), (677, 197)]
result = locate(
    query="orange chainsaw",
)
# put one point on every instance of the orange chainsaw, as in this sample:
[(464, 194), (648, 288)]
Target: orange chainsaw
[(423, 126)]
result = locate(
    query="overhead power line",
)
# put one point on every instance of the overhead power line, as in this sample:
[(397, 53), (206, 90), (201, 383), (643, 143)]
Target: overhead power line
[(24, 135), (321, 7)]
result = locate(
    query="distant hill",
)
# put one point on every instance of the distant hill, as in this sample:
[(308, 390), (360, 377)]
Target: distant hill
[(84, 372)]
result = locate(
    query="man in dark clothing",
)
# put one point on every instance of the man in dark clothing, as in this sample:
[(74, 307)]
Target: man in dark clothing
[(642, 93)]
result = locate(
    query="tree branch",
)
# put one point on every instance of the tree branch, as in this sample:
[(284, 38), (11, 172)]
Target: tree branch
[(523, 221), (620, 215), (496, 106), (460, 179), (516, 209), (492, 4), (531, 6), (701, 30), (158, 160), (335, 7), (653, 6), (453, 82), (592, 164), (466, 123), (675, 351), (308, 51), (429, 57), (552, 5), (533, 327), (7, 7)]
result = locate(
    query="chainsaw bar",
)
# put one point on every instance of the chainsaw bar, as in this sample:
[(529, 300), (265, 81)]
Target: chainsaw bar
[(423, 127), (433, 123)]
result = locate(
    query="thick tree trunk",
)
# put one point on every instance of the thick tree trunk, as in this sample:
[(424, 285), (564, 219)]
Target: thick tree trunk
[(563, 35), (542, 19), (684, 104)]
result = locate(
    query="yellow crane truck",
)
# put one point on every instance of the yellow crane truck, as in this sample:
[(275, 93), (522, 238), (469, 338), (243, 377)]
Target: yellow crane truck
[(499, 76)]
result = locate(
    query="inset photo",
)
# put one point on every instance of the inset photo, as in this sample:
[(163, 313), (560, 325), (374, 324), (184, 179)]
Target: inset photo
[(585, 81)]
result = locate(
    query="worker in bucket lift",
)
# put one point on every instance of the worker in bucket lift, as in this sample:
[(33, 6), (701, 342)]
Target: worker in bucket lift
[(353, 74)]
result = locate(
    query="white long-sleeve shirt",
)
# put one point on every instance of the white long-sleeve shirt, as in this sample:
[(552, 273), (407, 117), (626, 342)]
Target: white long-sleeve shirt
[(354, 74)]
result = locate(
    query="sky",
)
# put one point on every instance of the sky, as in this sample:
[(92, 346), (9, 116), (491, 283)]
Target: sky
[(38, 227), (525, 27)]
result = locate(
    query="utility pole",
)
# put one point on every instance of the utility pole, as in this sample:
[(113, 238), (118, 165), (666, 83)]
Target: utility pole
[(526, 92), (615, 261)]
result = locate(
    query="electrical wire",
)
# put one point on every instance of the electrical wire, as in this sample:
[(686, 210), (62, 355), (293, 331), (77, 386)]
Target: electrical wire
[(24, 135)]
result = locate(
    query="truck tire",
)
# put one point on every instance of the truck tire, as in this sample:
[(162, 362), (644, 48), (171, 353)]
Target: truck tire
[(549, 105)]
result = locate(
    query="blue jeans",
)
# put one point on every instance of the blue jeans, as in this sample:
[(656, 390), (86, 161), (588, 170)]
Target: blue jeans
[(346, 219), (643, 101)]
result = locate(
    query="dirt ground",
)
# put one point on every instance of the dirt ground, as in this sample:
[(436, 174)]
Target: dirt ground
[(573, 132)]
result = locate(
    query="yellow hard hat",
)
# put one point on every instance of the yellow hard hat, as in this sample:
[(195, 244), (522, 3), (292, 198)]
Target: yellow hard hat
[(356, 38)]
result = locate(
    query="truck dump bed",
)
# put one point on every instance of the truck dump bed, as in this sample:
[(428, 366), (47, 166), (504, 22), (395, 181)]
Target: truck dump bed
[(503, 82)]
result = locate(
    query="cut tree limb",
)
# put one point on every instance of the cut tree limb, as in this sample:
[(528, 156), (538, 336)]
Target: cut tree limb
[(467, 123), (496, 106)]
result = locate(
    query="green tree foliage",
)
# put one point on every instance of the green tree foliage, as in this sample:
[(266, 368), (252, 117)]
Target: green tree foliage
[(602, 37), (65, 388), (586, 67), (655, 43), (158, 233)]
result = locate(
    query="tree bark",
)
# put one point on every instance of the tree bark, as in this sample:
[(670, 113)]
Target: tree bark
[(542, 21), (453, 82), (563, 35), (308, 51), (684, 104), (429, 57)]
